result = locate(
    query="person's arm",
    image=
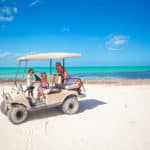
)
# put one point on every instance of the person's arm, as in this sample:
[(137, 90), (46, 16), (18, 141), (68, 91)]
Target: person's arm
[(28, 80), (60, 72), (33, 79), (65, 74)]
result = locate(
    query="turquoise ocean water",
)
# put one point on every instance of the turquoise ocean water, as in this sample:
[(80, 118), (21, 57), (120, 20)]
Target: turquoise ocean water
[(117, 72)]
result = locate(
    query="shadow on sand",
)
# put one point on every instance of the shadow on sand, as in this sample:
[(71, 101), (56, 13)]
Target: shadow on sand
[(45, 113), (85, 105), (88, 104)]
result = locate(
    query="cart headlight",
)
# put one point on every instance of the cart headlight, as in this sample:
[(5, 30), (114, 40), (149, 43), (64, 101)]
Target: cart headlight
[(3, 94), (6, 96), (15, 90)]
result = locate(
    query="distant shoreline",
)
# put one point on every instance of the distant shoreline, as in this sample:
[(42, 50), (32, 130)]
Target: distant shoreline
[(86, 73), (100, 81)]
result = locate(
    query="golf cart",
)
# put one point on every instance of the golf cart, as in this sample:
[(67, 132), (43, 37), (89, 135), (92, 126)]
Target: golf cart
[(16, 104)]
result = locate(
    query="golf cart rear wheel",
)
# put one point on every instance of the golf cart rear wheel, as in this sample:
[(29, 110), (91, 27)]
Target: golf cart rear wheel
[(4, 108), (17, 114), (70, 105)]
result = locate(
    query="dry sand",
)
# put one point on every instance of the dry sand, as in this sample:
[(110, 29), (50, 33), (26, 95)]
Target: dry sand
[(110, 118)]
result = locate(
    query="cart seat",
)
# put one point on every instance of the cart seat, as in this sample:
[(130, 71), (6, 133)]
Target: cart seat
[(51, 90), (71, 86), (56, 83), (55, 80)]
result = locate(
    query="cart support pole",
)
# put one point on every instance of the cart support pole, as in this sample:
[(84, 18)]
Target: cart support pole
[(63, 62), (25, 67), (17, 73), (63, 65), (50, 66)]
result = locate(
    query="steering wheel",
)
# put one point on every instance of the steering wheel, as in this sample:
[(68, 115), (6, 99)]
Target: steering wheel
[(37, 78)]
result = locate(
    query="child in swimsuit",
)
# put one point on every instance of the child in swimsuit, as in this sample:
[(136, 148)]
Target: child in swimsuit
[(44, 84)]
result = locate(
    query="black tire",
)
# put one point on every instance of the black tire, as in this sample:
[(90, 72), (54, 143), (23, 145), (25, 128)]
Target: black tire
[(70, 105), (17, 114), (4, 108)]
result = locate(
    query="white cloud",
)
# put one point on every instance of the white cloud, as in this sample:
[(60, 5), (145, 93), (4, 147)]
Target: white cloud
[(8, 58), (30, 53), (35, 2), (65, 29), (6, 10), (7, 14), (6, 19), (4, 54), (113, 48), (18, 54), (9, 10), (116, 42), (15, 9), (2, 1)]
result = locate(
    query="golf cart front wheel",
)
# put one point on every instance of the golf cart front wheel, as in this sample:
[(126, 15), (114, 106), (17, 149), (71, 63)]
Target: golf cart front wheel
[(70, 105), (17, 114), (4, 108)]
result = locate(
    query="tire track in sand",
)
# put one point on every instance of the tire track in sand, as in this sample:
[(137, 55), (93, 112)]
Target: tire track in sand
[(28, 138)]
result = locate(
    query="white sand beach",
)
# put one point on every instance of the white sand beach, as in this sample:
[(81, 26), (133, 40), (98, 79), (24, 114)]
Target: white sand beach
[(110, 118)]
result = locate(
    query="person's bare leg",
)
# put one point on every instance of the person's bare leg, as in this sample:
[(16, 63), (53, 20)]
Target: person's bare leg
[(79, 83), (40, 93), (32, 93), (34, 99), (28, 93)]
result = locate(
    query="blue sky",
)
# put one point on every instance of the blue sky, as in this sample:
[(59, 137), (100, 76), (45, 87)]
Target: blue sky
[(105, 32)]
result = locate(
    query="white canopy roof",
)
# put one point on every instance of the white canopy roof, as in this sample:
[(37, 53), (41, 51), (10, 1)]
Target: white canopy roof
[(42, 56)]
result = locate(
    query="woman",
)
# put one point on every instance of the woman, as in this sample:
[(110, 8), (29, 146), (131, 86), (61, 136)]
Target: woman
[(62, 72)]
